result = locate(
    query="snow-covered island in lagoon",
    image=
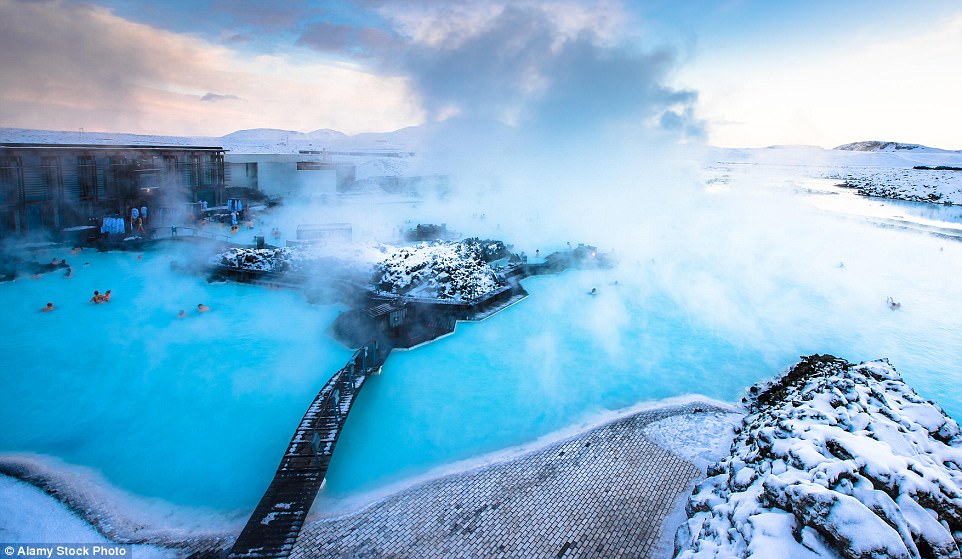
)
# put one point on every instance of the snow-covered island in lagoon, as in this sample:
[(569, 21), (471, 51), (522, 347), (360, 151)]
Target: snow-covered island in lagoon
[(462, 271), (832, 460), (456, 271)]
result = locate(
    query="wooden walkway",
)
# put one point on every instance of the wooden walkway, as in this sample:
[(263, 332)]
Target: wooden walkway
[(278, 518)]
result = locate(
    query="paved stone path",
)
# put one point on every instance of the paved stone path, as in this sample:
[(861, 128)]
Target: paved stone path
[(603, 493)]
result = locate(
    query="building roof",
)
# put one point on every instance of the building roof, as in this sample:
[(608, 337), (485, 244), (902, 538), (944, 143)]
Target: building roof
[(106, 147)]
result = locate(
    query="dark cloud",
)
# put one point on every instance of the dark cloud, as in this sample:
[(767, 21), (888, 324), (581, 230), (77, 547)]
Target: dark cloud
[(684, 123), (519, 66), (265, 15), (218, 97), (347, 39)]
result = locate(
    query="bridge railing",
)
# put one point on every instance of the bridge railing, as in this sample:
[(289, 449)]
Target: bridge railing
[(174, 231), (362, 362)]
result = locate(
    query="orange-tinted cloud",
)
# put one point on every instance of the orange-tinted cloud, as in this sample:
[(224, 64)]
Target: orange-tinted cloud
[(67, 65)]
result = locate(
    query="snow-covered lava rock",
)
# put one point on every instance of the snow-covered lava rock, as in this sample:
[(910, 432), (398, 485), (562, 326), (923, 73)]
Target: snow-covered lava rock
[(359, 257), (441, 270), (284, 259), (832, 460), (940, 186)]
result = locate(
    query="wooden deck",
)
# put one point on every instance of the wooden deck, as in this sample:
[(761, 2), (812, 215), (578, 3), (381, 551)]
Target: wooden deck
[(278, 518)]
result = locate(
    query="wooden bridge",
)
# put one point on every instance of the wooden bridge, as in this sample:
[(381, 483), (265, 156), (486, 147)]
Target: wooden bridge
[(278, 518)]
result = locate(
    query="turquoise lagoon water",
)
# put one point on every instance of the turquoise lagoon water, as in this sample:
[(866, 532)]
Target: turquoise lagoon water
[(197, 411), (563, 357)]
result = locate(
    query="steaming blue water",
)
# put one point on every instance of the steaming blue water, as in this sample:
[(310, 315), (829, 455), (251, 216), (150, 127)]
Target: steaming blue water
[(563, 356), (197, 411), (934, 212)]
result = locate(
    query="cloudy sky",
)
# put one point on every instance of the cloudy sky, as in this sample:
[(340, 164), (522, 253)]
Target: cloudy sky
[(732, 72)]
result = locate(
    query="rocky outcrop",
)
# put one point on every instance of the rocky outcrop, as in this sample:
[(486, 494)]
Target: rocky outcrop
[(833, 460), (440, 270)]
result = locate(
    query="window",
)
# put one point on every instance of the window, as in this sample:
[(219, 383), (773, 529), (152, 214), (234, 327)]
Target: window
[(11, 180), (87, 177), (117, 179), (196, 175), (210, 169), (50, 176)]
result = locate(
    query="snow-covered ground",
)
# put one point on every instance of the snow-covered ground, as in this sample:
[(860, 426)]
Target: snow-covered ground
[(919, 185), (880, 169), (833, 460), (29, 515)]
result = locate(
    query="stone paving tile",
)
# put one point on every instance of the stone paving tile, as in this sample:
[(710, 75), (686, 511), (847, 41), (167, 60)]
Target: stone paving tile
[(600, 494)]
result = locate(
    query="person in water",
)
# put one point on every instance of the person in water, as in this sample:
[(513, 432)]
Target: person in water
[(69, 273), (97, 298), (48, 308), (182, 314), (202, 307), (106, 297)]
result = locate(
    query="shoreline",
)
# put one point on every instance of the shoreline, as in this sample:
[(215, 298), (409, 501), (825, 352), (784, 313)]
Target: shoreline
[(100, 506), (613, 490), (113, 513), (345, 506)]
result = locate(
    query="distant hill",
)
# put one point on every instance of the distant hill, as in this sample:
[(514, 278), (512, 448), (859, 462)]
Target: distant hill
[(875, 145), (264, 135), (327, 135), (256, 140)]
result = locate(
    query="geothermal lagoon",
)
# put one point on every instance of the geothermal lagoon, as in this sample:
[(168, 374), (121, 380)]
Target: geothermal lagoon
[(194, 412)]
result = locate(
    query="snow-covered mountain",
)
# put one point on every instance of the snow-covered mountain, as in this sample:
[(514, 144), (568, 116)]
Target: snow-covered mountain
[(258, 140), (875, 145)]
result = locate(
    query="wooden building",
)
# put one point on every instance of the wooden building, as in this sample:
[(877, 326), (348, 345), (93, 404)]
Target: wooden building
[(52, 187)]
